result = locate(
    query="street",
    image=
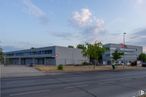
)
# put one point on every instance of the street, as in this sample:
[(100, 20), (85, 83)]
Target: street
[(84, 84)]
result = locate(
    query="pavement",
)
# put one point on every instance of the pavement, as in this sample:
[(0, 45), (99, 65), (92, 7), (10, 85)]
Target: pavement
[(18, 71), (83, 84)]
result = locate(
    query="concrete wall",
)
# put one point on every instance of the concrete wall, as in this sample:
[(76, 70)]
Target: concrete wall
[(66, 55), (50, 61), (60, 55)]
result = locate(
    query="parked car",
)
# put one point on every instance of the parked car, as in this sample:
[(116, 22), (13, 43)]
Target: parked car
[(134, 63), (144, 64)]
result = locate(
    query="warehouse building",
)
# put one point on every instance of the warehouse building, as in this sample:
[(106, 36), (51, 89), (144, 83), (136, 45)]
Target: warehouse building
[(54, 55), (131, 53)]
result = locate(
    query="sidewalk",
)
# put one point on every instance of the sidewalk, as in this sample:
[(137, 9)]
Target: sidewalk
[(18, 71)]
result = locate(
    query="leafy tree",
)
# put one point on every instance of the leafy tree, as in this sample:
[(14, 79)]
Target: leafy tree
[(117, 55), (80, 46), (32, 48), (70, 46), (142, 57), (93, 51), (1, 55)]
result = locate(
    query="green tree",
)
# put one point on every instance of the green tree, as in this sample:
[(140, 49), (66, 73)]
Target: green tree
[(142, 57), (80, 46), (117, 55), (1, 55), (93, 52), (70, 46)]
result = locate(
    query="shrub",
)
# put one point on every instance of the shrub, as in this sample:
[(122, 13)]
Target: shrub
[(86, 63), (60, 67)]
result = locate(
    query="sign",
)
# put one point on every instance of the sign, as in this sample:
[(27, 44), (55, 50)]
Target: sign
[(141, 92), (123, 45)]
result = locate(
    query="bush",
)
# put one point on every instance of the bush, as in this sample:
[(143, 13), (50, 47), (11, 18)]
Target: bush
[(86, 63), (60, 67)]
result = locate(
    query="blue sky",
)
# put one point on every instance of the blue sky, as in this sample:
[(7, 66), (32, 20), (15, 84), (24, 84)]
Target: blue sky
[(37, 23)]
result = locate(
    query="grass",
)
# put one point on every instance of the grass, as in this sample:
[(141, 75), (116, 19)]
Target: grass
[(45, 68), (82, 68), (143, 95)]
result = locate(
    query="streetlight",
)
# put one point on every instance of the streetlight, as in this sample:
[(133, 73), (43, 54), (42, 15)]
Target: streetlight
[(124, 34)]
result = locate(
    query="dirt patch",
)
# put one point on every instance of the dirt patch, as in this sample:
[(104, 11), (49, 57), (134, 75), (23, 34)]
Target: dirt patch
[(82, 68)]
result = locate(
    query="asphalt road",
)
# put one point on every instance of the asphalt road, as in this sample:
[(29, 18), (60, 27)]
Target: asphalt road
[(87, 84)]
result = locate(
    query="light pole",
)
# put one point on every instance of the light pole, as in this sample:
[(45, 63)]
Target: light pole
[(124, 34)]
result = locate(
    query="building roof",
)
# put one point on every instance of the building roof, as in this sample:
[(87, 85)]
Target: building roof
[(121, 43), (40, 48)]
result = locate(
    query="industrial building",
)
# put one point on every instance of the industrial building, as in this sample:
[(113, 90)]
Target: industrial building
[(54, 55), (131, 53)]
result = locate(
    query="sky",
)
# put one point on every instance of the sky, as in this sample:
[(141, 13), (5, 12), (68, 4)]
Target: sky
[(38, 23)]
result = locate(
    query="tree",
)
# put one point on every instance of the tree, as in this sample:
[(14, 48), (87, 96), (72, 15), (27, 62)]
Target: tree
[(80, 46), (93, 52), (117, 55), (70, 46), (1, 55), (142, 57), (32, 48)]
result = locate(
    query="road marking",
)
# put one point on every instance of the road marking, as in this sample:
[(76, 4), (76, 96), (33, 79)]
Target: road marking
[(31, 92), (70, 87)]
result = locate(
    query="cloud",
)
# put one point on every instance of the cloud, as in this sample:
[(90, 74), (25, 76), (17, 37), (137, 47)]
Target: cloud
[(88, 25), (140, 7), (63, 35), (15, 45), (35, 11), (138, 38), (140, 1), (82, 17), (72, 38), (9, 48)]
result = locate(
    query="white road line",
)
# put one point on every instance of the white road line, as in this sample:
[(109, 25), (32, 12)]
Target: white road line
[(31, 92), (70, 87)]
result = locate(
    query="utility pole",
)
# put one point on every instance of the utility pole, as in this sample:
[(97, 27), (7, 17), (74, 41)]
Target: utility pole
[(1, 55), (124, 34)]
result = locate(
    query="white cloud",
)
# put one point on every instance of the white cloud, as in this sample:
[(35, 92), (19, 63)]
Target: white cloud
[(141, 4), (99, 25), (138, 38), (35, 11), (140, 7), (82, 17), (140, 1), (88, 25)]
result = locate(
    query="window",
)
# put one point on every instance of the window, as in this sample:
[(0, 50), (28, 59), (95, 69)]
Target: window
[(19, 54), (10, 54), (47, 52), (38, 52)]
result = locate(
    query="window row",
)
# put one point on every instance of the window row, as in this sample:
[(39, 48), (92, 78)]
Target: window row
[(30, 53)]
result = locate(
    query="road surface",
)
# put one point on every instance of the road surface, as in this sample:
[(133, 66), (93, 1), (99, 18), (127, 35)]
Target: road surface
[(87, 84)]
